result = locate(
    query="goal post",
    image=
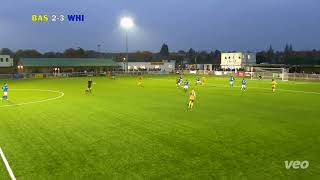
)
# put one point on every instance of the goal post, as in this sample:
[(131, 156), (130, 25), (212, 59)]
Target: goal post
[(269, 73)]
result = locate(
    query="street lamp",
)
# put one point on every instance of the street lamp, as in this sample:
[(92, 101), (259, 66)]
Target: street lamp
[(124, 64), (127, 23), (20, 68)]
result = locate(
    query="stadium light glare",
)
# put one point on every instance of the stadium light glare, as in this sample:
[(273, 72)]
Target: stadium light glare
[(127, 23)]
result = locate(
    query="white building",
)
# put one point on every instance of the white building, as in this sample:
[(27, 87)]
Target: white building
[(164, 65), (206, 67), (6, 61), (237, 60)]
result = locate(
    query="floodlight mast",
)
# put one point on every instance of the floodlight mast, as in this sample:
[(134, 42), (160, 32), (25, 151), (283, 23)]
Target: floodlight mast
[(126, 23)]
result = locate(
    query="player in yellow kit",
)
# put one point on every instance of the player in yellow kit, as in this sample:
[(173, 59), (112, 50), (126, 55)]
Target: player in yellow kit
[(204, 80), (192, 97), (273, 85), (140, 81)]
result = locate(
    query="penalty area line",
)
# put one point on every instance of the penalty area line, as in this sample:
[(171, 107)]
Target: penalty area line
[(7, 165)]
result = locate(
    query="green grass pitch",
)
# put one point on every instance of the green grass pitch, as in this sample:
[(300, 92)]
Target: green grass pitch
[(122, 131)]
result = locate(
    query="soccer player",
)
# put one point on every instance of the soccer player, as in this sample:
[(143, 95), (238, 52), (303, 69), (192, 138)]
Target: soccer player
[(204, 80), (90, 82), (186, 86), (181, 79), (5, 91), (192, 97), (231, 81), (198, 82), (178, 82), (243, 85), (140, 81), (273, 85)]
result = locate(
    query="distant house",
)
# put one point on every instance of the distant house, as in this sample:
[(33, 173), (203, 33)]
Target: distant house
[(51, 65), (6, 61), (237, 60), (160, 65)]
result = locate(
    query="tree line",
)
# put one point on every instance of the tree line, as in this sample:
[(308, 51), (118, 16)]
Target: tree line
[(287, 56)]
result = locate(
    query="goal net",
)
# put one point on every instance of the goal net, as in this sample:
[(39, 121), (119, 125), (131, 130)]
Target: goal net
[(269, 73)]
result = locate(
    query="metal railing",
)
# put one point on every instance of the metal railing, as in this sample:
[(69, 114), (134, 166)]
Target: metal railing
[(290, 76), (303, 76), (81, 74)]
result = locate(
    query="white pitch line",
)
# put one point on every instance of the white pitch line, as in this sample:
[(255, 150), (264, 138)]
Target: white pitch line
[(34, 102), (7, 165), (287, 90), (293, 91)]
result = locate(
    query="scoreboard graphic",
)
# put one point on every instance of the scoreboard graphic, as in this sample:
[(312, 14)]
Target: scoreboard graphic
[(46, 18)]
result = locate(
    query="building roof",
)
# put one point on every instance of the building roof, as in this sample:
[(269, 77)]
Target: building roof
[(245, 52), (66, 62)]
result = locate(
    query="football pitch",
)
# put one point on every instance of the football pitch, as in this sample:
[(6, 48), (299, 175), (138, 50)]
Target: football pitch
[(51, 129)]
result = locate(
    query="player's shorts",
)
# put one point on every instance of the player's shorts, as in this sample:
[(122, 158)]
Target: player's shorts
[(198, 82), (243, 86), (185, 87), (231, 82), (273, 87), (5, 93), (179, 84)]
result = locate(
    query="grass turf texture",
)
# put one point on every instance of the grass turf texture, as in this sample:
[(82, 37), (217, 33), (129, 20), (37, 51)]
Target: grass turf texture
[(122, 131)]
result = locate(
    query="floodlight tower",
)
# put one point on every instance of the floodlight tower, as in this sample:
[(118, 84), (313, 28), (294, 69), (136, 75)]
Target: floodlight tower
[(127, 23)]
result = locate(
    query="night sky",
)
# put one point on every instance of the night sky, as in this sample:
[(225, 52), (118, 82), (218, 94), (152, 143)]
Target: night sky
[(203, 24)]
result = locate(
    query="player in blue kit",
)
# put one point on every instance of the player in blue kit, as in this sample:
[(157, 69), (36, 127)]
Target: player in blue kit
[(186, 86), (181, 79), (178, 82), (231, 81), (5, 91), (243, 85)]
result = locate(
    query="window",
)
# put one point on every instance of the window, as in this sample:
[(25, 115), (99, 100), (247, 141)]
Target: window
[(225, 57), (7, 60), (229, 57), (1, 59), (239, 57)]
